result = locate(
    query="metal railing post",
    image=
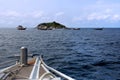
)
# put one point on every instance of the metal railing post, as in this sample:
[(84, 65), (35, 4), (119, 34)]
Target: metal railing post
[(24, 55)]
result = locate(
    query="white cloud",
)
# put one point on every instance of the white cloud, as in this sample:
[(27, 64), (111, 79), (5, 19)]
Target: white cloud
[(106, 15), (79, 18), (59, 14), (15, 18), (108, 10), (99, 1), (10, 14), (115, 17), (37, 14), (91, 16), (97, 16), (2, 21)]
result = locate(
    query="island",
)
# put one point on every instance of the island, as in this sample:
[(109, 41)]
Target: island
[(53, 25), (20, 27), (50, 26)]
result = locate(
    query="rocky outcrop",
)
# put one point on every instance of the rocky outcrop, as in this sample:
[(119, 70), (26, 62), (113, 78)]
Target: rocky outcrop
[(50, 26), (20, 27)]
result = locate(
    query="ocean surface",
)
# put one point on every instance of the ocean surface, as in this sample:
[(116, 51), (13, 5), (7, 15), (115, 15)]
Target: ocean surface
[(85, 54)]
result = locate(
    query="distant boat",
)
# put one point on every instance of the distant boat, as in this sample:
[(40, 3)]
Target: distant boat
[(98, 29), (20, 27), (76, 28)]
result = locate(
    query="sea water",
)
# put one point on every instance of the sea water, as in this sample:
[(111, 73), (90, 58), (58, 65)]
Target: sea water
[(85, 54)]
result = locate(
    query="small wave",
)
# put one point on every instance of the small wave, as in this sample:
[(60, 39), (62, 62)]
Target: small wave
[(86, 39), (113, 43), (104, 63), (88, 67)]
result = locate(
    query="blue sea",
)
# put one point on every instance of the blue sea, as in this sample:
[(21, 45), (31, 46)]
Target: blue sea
[(85, 54)]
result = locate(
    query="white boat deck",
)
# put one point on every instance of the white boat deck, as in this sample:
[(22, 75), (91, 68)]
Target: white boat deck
[(35, 69), (19, 72)]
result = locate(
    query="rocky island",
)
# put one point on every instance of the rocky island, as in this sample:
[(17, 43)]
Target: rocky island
[(20, 27), (50, 26)]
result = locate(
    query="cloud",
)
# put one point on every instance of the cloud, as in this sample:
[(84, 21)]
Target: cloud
[(14, 17), (115, 17), (10, 14), (96, 16), (2, 21), (106, 15), (99, 2), (34, 14), (108, 10), (59, 14), (79, 18), (37, 14)]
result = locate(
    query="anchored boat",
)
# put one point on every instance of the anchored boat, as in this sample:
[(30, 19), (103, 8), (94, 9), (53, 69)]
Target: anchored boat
[(33, 69)]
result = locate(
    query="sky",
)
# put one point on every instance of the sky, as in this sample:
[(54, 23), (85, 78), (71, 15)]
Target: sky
[(71, 13)]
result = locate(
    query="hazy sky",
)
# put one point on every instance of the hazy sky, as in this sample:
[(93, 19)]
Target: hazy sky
[(72, 13)]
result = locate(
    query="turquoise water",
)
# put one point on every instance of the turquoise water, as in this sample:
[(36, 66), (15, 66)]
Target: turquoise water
[(84, 54)]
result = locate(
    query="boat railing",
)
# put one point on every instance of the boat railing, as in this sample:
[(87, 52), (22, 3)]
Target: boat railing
[(2, 70), (34, 74)]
